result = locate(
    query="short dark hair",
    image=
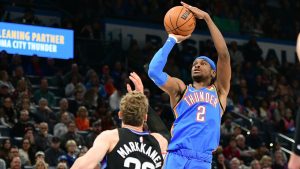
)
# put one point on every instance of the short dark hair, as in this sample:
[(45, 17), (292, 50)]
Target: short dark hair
[(14, 146), (55, 140), (70, 122)]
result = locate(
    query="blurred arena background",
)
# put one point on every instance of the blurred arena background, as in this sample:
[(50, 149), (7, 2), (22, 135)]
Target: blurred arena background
[(46, 102)]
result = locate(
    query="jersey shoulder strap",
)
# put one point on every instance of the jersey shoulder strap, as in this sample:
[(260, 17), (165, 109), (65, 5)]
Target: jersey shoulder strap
[(219, 98)]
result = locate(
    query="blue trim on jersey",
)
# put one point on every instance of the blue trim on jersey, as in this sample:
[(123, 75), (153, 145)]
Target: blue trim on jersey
[(139, 133), (103, 163)]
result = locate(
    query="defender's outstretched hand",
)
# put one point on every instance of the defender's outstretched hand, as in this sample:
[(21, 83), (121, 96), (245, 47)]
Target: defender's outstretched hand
[(196, 11), (138, 84)]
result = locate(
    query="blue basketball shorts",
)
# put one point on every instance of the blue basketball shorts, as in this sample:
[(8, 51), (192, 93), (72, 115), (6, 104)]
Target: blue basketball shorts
[(187, 159)]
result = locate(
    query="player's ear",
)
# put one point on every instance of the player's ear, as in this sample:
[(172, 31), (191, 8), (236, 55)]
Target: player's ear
[(145, 117), (120, 114), (213, 73)]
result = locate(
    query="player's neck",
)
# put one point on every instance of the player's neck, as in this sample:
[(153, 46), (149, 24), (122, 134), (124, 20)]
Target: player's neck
[(135, 128), (199, 85)]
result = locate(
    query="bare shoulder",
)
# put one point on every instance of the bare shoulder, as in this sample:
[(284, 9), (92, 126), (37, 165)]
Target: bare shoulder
[(158, 136), (180, 83), (109, 133), (174, 87), (163, 142), (177, 84), (111, 137)]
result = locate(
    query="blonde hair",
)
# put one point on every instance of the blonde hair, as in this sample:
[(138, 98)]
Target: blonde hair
[(61, 165), (80, 109), (70, 142), (44, 164), (253, 163), (266, 161), (235, 160), (134, 106)]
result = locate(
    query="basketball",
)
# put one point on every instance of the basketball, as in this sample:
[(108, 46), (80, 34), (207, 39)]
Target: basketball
[(179, 21)]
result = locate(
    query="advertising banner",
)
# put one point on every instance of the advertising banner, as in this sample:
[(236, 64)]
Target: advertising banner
[(36, 40)]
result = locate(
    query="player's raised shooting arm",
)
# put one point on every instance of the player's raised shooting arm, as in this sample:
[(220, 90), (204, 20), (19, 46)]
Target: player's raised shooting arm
[(95, 154), (171, 85), (223, 64)]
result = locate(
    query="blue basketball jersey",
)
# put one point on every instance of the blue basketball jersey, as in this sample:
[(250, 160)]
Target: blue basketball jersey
[(198, 120)]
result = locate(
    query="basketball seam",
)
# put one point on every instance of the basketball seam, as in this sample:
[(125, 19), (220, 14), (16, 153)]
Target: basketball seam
[(183, 24), (184, 30), (174, 29), (178, 16), (168, 27), (178, 27), (188, 19)]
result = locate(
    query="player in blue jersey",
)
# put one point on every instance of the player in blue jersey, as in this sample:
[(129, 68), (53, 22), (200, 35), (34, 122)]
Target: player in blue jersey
[(198, 107)]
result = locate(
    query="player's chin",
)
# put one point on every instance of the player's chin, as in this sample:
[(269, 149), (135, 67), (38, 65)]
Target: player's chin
[(197, 78)]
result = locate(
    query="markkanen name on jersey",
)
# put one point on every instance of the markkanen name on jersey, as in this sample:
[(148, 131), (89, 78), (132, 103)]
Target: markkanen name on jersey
[(126, 149)]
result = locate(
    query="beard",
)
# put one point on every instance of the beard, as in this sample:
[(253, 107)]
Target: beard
[(202, 78), (198, 78)]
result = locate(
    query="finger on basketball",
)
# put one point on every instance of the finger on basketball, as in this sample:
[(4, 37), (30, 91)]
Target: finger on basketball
[(185, 5), (194, 10), (179, 20)]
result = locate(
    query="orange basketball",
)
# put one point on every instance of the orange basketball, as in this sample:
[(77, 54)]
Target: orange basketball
[(179, 21)]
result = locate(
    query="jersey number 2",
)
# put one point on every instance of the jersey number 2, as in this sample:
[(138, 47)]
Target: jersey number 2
[(201, 111), (137, 163)]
